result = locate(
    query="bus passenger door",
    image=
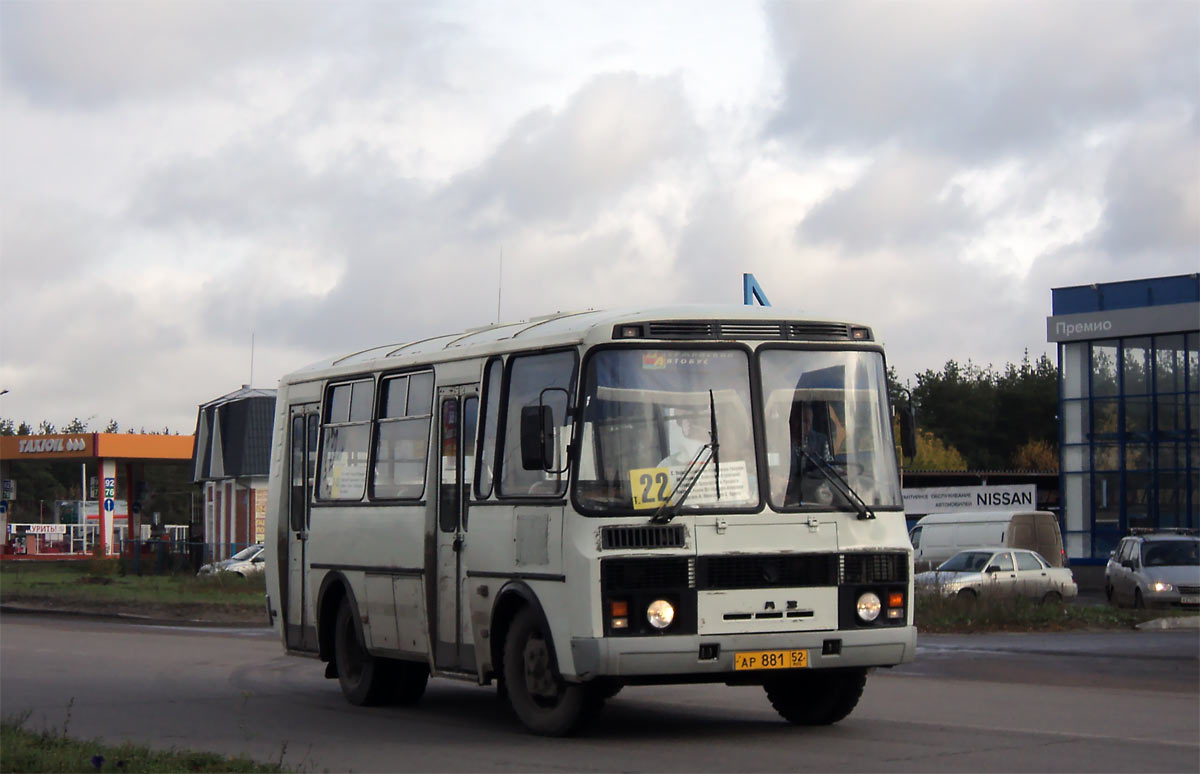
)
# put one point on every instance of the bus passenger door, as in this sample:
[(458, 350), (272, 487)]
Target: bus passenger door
[(300, 631), (457, 415)]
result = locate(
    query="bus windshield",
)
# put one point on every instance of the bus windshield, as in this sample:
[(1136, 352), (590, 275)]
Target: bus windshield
[(827, 425), (648, 413)]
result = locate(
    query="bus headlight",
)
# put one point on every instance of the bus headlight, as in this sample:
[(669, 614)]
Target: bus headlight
[(660, 613), (868, 606)]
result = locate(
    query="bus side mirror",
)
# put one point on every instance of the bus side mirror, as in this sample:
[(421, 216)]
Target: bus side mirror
[(908, 432), (537, 437)]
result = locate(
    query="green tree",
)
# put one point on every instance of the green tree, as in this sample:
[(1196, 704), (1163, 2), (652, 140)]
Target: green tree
[(988, 416)]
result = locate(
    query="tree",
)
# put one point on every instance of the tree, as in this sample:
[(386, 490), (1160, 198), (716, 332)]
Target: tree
[(76, 425), (46, 428), (7, 428), (988, 415), (111, 427), (934, 454), (1036, 455)]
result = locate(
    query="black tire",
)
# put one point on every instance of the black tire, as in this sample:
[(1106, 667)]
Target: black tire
[(1108, 594), (1052, 598), (363, 677), (543, 702), (967, 595), (817, 698), (1138, 601)]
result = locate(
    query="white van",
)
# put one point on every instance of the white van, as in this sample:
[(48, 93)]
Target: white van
[(939, 536)]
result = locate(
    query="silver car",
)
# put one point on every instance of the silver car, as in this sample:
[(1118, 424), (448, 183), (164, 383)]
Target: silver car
[(248, 561), (1155, 570), (1001, 572)]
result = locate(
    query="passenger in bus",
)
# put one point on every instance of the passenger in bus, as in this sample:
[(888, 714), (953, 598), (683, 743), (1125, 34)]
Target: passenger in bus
[(692, 435)]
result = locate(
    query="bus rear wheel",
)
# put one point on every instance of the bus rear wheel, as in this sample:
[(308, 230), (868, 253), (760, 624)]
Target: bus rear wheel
[(362, 677), (818, 697), (544, 702)]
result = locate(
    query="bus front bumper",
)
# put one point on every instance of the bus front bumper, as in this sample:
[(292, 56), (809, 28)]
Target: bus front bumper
[(712, 656)]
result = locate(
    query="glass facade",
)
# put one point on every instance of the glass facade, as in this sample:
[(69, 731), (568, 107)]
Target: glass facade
[(1129, 410)]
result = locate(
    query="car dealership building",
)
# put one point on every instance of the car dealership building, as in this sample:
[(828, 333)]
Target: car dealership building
[(1129, 409)]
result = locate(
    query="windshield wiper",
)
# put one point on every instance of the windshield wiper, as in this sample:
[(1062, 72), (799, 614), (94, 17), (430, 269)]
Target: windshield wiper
[(688, 480), (839, 483)]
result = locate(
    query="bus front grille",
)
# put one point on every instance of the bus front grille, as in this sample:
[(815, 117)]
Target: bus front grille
[(873, 568), (766, 571), (636, 574), (643, 536)]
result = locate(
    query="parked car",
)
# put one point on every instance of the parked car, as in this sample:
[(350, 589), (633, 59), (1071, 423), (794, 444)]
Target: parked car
[(1159, 569), (939, 536), (999, 571), (248, 561)]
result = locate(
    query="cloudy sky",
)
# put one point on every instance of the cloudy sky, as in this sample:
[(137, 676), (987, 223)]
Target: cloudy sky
[(180, 179)]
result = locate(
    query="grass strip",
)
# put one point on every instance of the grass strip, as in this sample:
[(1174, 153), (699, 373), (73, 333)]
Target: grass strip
[(51, 750), (990, 613), (101, 581)]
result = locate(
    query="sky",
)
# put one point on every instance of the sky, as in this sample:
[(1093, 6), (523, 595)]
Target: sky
[(200, 195)]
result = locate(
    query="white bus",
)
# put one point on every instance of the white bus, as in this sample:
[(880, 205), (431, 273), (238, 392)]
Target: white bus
[(585, 501)]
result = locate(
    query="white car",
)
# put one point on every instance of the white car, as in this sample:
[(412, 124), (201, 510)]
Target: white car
[(248, 561), (1155, 570), (999, 571)]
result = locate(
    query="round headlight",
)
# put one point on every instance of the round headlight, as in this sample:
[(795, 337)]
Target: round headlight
[(660, 613), (869, 606)]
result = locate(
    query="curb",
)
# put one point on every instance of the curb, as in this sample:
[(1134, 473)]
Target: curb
[(1175, 622)]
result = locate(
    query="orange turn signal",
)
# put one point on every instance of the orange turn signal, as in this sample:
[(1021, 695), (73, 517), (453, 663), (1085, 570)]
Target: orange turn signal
[(620, 609), (896, 599)]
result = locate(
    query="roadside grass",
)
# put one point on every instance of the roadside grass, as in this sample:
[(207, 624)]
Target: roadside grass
[(100, 582), (936, 614), (51, 750)]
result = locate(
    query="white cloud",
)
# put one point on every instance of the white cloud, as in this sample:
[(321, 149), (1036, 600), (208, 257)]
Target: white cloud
[(176, 178)]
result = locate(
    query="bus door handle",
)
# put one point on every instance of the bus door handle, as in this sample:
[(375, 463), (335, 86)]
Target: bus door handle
[(457, 544), (302, 535)]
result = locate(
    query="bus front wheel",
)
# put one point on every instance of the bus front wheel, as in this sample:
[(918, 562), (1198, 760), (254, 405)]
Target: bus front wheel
[(360, 674), (817, 697), (544, 702)]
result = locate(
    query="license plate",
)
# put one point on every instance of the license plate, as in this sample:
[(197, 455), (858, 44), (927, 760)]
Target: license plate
[(770, 659), (1190, 599)]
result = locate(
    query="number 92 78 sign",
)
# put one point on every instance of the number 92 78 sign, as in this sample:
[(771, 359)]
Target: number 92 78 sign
[(650, 487)]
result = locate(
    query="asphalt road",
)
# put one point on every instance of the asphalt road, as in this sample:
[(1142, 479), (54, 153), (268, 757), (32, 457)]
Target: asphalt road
[(1123, 701)]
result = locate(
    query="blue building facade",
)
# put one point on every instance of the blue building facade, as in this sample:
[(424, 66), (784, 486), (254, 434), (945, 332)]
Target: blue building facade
[(1129, 409)]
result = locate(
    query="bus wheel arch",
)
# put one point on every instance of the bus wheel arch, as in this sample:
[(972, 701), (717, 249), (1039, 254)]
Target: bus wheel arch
[(334, 588), (512, 599)]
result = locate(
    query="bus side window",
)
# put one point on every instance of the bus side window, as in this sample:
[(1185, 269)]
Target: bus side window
[(402, 437), (491, 416), (345, 441), (534, 379)]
